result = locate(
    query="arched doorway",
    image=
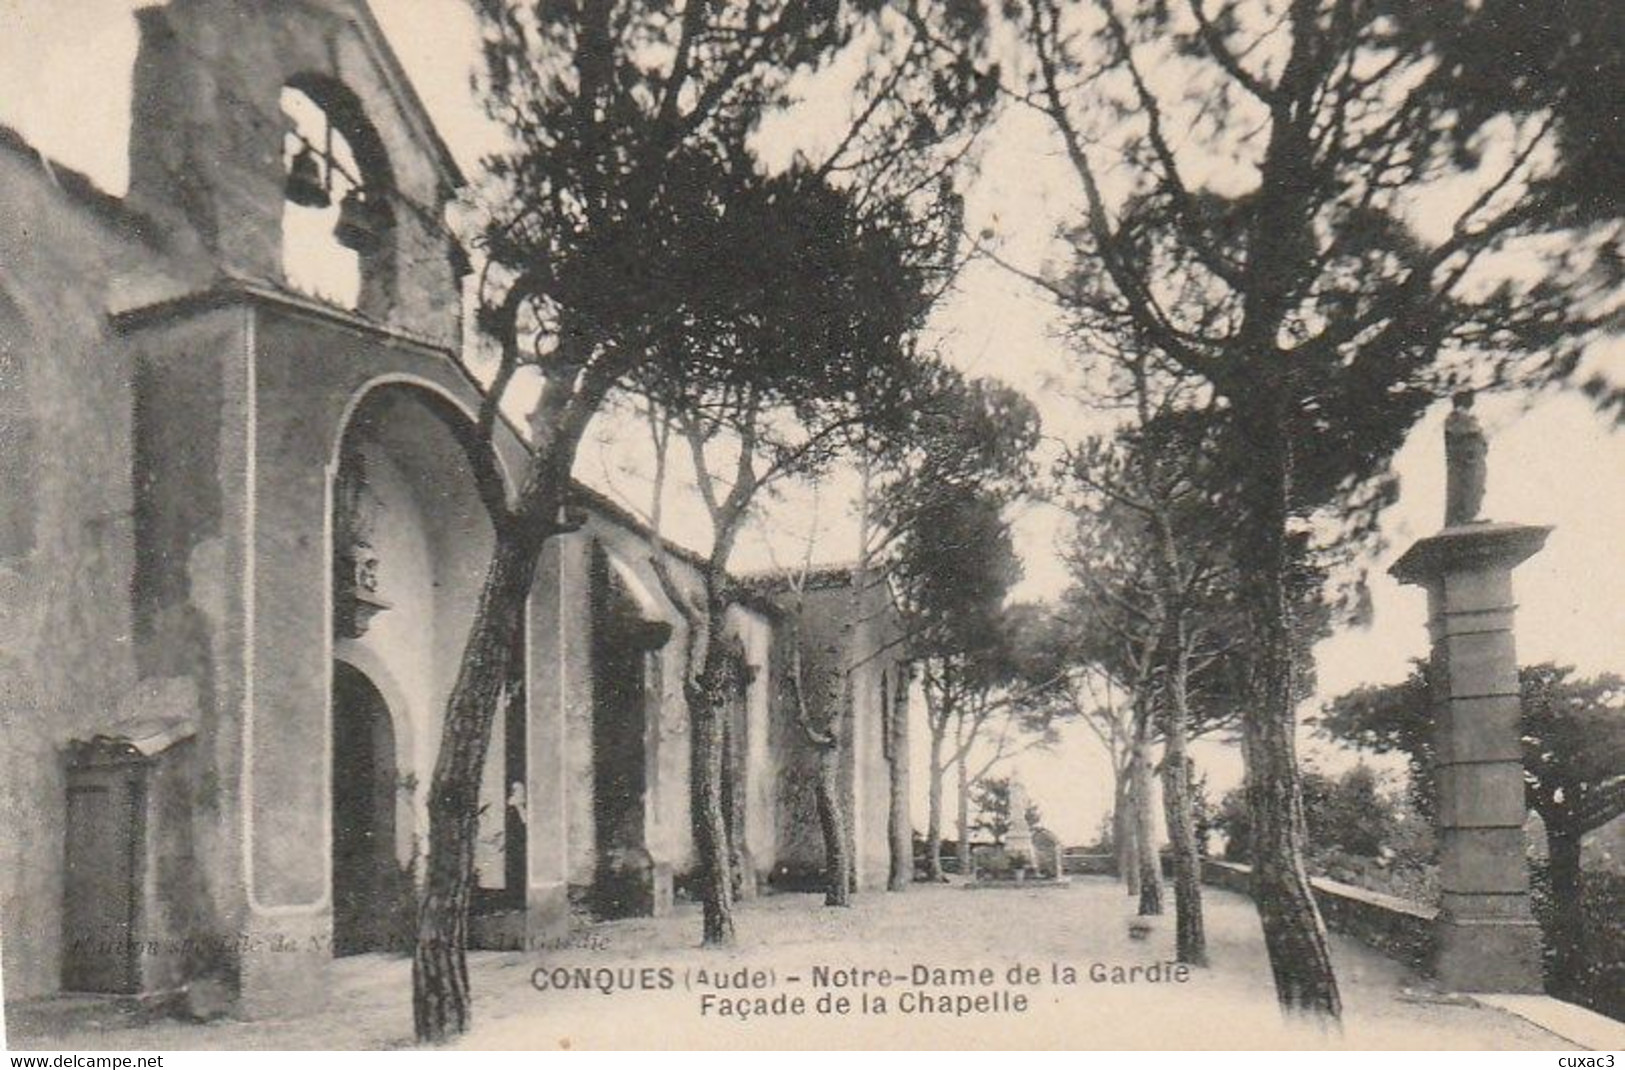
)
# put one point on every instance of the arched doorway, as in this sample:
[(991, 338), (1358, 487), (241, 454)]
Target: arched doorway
[(369, 887), (411, 539)]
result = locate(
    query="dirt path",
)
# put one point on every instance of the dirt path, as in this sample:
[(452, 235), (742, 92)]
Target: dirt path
[(656, 997)]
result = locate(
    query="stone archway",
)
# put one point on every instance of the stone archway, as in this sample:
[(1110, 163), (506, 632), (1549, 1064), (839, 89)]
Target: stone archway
[(410, 542), (369, 887)]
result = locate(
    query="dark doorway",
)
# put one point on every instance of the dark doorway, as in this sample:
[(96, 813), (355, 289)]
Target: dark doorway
[(368, 882), (624, 676)]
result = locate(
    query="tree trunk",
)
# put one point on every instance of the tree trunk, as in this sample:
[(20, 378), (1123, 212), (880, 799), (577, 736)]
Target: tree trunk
[(933, 820), (1148, 862), (1179, 805), (440, 993), (849, 829), (1190, 938), (1128, 855), (733, 800), (832, 821), (963, 847), (1567, 938), (860, 639), (712, 682), (1294, 934), (707, 704), (899, 828), (842, 790)]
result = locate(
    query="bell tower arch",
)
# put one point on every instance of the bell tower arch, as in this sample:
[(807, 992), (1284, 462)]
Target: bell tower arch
[(218, 151), (338, 222)]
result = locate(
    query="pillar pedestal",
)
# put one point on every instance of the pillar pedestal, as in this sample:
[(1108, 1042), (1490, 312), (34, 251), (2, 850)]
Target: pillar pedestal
[(1488, 940), (1018, 847)]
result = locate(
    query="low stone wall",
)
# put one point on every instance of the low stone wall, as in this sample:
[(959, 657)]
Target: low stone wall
[(1088, 865), (1231, 876), (1397, 927)]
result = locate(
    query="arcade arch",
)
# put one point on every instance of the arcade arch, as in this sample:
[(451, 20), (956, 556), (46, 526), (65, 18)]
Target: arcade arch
[(410, 542)]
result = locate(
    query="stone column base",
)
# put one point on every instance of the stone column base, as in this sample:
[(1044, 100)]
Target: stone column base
[(662, 895), (1489, 956), (750, 886), (547, 914)]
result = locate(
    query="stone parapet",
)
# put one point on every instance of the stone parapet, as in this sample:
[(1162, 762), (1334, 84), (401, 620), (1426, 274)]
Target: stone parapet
[(1402, 929)]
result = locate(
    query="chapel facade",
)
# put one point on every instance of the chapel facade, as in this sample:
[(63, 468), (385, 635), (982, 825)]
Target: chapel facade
[(241, 544)]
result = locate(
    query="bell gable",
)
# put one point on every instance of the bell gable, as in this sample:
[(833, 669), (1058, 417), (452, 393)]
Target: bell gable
[(236, 175)]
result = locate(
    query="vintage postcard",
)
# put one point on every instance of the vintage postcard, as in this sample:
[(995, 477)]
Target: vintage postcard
[(914, 524)]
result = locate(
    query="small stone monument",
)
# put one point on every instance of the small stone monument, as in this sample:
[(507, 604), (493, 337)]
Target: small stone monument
[(1488, 940), (1018, 842)]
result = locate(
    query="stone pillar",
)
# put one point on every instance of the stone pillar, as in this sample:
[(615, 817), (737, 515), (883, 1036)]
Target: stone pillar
[(1488, 940), (1018, 841)]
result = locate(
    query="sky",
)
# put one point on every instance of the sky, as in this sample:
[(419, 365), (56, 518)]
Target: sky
[(65, 85)]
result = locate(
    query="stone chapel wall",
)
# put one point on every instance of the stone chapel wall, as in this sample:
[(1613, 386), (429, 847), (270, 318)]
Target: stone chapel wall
[(66, 656)]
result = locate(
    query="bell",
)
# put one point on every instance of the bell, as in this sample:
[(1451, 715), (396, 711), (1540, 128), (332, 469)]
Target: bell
[(362, 222), (305, 186)]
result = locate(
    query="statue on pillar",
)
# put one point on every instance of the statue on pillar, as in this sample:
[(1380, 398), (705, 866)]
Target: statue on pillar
[(1466, 464), (1486, 936)]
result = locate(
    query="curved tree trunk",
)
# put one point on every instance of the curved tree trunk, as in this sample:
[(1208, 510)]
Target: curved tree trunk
[(1147, 861), (1294, 933), (440, 993), (832, 822)]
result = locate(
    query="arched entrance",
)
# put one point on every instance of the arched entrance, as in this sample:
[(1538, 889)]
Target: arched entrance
[(369, 887), (410, 542)]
